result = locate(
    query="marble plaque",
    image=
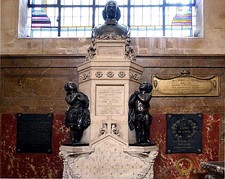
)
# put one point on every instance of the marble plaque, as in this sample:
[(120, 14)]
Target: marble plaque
[(185, 86), (184, 133), (110, 51), (109, 100)]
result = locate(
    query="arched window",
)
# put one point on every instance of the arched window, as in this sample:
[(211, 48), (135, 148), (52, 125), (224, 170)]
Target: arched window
[(146, 18)]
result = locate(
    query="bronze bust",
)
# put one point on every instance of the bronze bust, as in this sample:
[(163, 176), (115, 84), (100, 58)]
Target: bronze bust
[(111, 28)]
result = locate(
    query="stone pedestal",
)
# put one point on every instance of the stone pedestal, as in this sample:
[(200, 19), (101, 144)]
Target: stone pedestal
[(108, 77), (108, 157)]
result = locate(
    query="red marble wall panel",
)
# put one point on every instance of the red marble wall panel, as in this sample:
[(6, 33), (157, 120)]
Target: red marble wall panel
[(31, 165), (171, 166)]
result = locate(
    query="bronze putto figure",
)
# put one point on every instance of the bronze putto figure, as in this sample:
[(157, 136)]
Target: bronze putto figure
[(78, 114), (139, 117)]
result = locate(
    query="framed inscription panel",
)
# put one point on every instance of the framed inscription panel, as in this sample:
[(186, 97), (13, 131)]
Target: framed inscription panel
[(34, 133), (184, 133), (185, 85), (109, 100), (109, 51)]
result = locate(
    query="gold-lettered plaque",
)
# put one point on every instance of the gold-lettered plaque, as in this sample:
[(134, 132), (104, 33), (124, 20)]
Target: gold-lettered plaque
[(185, 85)]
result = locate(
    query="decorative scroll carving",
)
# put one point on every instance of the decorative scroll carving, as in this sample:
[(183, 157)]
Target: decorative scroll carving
[(129, 50), (91, 52), (110, 37)]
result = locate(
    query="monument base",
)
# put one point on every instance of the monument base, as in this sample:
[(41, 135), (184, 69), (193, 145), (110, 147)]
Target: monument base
[(108, 157)]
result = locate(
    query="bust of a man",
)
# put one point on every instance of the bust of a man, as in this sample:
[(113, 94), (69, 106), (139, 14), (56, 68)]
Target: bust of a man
[(111, 28)]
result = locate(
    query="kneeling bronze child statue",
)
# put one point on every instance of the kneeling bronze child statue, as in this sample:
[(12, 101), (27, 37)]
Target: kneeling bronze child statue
[(139, 117), (78, 114)]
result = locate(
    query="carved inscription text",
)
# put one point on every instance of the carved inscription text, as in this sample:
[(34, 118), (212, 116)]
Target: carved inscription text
[(109, 51), (109, 100)]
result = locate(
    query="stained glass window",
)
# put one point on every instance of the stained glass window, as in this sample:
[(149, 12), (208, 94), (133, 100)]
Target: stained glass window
[(146, 18)]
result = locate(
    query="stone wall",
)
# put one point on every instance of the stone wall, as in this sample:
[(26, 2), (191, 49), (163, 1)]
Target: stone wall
[(35, 85)]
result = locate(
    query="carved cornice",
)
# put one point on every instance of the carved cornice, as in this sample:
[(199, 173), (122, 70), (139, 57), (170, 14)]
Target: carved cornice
[(110, 37)]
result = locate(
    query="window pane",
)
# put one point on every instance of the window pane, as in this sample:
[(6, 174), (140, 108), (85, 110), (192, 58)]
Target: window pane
[(153, 16), (52, 13), (43, 1), (146, 31), (123, 18), (136, 16), (98, 16), (86, 2), (103, 2), (76, 31), (121, 2), (44, 17), (178, 21), (86, 16), (146, 17), (76, 16), (76, 2), (179, 1), (76, 21), (146, 2), (67, 2), (148, 22), (67, 16), (100, 2), (44, 32)]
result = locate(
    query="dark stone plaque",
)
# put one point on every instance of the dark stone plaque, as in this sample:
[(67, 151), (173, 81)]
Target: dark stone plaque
[(34, 133), (184, 133)]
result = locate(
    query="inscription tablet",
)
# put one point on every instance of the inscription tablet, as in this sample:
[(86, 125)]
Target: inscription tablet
[(34, 133), (185, 86), (184, 133), (109, 100), (110, 51)]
